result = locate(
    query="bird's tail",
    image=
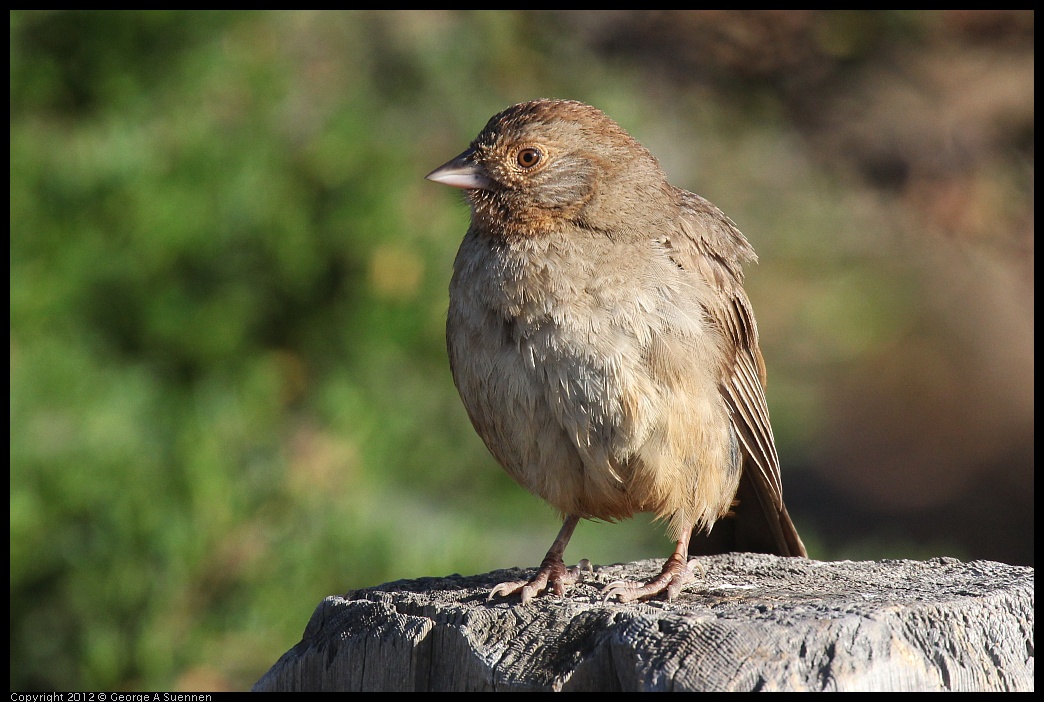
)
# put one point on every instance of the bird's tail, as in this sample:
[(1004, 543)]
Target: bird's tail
[(753, 525)]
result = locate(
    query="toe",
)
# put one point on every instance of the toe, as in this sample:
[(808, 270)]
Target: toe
[(551, 577), (671, 580), (506, 589)]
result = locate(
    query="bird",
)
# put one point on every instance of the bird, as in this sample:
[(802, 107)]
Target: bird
[(601, 341)]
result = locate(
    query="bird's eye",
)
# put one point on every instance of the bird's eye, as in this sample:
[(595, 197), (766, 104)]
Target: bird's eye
[(529, 157)]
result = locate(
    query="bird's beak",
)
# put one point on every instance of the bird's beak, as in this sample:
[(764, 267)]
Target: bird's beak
[(462, 172)]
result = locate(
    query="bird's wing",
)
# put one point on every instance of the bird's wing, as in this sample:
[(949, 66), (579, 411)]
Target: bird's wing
[(708, 244)]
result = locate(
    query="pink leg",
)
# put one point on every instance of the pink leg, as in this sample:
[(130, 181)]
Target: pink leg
[(676, 574), (552, 570)]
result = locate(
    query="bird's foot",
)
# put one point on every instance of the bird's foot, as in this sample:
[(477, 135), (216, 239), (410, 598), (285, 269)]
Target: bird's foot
[(676, 574), (553, 576)]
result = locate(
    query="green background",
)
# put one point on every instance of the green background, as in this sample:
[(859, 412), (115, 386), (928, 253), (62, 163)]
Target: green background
[(229, 387)]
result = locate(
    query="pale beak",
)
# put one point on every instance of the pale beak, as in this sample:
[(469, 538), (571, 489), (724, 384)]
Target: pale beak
[(462, 172)]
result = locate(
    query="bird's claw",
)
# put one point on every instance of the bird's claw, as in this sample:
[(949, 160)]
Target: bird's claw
[(671, 580), (552, 577)]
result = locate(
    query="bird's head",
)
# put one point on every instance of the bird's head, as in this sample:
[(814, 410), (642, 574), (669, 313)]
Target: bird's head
[(540, 162)]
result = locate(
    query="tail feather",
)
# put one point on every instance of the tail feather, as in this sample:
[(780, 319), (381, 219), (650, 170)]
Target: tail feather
[(755, 526)]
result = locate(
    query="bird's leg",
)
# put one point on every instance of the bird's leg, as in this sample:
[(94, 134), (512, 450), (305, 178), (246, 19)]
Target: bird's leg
[(676, 574), (552, 570)]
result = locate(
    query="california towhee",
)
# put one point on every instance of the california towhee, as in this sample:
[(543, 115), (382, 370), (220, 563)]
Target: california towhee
[(602, 343)]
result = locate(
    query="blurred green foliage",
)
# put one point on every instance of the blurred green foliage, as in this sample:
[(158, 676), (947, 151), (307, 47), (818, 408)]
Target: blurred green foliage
[(229, 390), (227, 319)]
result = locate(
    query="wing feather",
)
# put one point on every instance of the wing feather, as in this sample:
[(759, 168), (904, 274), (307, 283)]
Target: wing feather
[(743, 378)]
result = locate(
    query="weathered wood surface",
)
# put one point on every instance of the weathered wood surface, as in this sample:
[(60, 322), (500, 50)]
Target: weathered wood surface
[(756, 622)]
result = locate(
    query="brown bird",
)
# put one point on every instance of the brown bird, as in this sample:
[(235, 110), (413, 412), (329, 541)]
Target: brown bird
[(603, 345)]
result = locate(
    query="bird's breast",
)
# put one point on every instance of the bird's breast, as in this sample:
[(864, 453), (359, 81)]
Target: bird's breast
[(579, 371)]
